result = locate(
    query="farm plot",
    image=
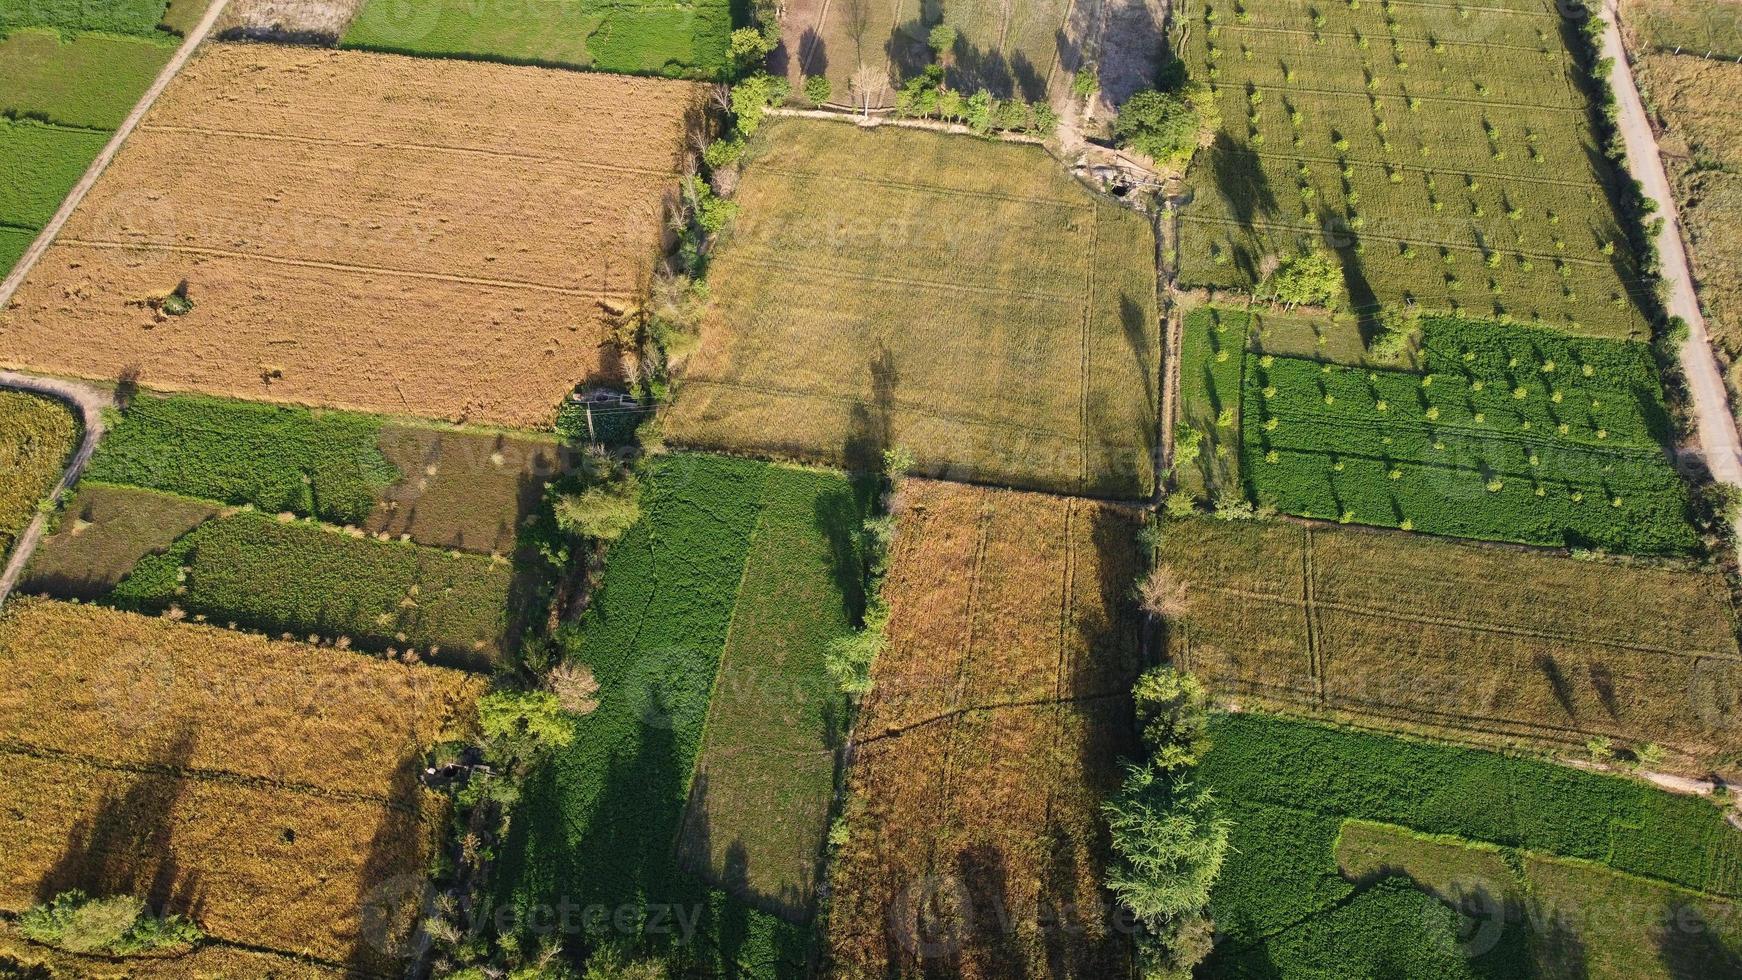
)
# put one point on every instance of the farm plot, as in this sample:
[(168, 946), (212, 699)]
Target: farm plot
[(268, 789), (36, 436), (966, 299), (705, 638), (1365, 855), (103, 532), (1511, 434), (676, 38), (1476, 643), (991, 735), (1013, 50), (27, 959), (1212, 360), (328, 213), (1446, 155), (111, 17), (302, 579), (447, 488), (1700, 135), (1713, 28)]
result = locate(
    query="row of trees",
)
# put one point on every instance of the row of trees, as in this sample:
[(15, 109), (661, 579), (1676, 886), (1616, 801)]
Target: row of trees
[(928, 95)]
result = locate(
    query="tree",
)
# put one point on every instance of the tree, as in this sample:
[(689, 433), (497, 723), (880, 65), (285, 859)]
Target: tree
[(817, 89), (943, 44), (749, 47), (979, 112), (120, 925), (523, 724), (1161, 593), (1172, 713), (1309, 279), (1160, 125), (752, 97), (1170, 844)]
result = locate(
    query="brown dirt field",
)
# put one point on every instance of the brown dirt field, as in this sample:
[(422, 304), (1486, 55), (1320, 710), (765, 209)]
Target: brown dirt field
[(989, 741), (267, 789), (26, 959), (365, 231), (1497, 646), (464, 490), (103, 533), (313, 21)]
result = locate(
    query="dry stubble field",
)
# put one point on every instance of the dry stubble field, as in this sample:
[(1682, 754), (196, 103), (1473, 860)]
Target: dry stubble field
[(965, 299), (1000, 708), (364, 231), (1479, 643), (267, 789)]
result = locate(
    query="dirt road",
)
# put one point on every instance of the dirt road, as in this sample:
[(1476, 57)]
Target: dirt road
[(95, 170), (90, 403), (1718, 441)]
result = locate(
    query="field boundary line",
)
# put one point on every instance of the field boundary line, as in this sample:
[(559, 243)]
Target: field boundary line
[(931, 189), (224, 777), (363, 270), (1084, 385), (1454, 100), (1309, 603), (365, 144), (823, 272), (992, 707), (906, 406), (76, 196), (1474, 626)]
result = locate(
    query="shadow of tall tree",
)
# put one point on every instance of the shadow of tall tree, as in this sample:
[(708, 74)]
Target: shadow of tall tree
[(391, 893), (871, 428), (1689, 946)]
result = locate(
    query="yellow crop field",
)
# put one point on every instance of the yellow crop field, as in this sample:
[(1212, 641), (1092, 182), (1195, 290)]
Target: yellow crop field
[(966, 299), (36, 436), (267, 789), (999, 708), (1476, 643), (365, 231)]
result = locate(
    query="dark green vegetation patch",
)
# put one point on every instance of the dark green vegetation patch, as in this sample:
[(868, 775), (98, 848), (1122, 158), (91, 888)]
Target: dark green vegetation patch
[(277, 576), (675, 38), (604, 823), (109, 16), (1287, 911), (277, 458), (1511, 434)]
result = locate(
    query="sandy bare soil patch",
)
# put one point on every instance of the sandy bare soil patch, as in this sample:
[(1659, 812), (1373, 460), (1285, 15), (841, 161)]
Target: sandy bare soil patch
[(364, 231), (310, 21)]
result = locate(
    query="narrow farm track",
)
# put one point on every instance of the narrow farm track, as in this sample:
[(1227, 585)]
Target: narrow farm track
[(101, 163), (90, 403), (1716, 424)]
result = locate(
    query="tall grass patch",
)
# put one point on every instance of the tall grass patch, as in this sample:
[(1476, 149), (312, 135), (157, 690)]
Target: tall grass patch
[(37, 435)]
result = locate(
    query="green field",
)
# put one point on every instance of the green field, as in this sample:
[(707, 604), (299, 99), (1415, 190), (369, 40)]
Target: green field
[(1446, 154), (1510, 434), (1212, 360), (1307, 889), (676, 38), (109, 16), (47, 161), (274, 457), (708, 573), (88, 81), (299, 578)]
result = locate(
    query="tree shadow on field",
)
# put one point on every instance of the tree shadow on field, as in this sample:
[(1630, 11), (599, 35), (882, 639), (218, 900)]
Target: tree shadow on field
[(839, 516), (1343, 243), (812, 54), (390, 883), (1142, 335), (1245, 189), (1108, 658), (1558, 684), (871, 427), (909, 46), (1689, 946), (988, 923), (126, 845)]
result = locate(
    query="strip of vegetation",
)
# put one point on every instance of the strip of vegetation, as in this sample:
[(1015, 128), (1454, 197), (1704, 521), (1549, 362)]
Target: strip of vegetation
[(1206, 455), (1511, 434), (300, 578), (278, 458), (120, 925), (112, 16)]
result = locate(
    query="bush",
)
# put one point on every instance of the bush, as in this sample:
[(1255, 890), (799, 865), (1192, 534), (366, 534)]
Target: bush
[(817, 89), (1160, 125), (117, 926)]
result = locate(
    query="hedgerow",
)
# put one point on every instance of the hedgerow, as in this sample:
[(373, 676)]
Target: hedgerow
[(1510, 433), (324, 464)]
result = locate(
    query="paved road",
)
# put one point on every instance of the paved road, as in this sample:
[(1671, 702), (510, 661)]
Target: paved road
[(95, 170), (1718, 441), (90, 402)]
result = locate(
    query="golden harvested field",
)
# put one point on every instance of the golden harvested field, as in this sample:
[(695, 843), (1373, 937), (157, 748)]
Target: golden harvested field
[(365, 231), (102, 534), (36, 436), (963, 298), (1487, 644), (992, 734), (267, 789)]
